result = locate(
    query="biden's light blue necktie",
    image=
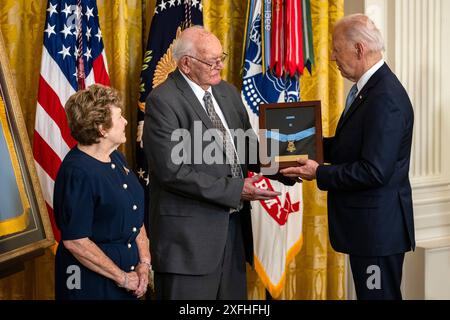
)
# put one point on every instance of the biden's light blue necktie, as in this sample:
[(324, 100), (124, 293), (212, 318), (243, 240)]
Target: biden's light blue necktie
[(350, 98)]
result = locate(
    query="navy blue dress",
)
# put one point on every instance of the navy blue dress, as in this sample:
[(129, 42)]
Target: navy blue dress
[(105, 203)]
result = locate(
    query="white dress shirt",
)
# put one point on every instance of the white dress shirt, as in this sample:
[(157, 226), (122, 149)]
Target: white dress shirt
[(366, 76), (200, 93)]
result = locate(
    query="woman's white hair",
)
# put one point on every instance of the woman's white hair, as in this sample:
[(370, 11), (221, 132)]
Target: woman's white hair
[(184, 45), (359, 28)]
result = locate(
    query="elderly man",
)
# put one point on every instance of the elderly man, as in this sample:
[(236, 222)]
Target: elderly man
[(370, 210), (200, 229)]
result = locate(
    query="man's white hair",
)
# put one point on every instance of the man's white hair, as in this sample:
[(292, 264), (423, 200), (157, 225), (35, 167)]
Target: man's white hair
[(184, 45), (359, 28)]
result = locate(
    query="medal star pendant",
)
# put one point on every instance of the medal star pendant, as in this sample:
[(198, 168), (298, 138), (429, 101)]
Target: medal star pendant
[(291, 146)]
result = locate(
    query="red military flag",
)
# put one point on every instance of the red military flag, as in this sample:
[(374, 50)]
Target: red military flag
[(287, 38), (294, 38)]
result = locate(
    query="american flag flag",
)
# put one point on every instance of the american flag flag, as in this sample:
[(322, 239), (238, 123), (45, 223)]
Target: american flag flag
[(71, 60)]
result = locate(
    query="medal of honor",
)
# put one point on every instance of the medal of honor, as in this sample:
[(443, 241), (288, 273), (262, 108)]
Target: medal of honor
[(291, 146), (289, 131)]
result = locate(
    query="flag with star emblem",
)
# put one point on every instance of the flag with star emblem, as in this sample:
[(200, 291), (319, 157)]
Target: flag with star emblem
[(73, 57), (276, 223), (170, 17)]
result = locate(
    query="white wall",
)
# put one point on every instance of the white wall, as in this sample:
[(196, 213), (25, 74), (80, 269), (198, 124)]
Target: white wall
[(417, 34)]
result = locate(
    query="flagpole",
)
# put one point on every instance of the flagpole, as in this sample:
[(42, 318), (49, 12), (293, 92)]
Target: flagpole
[(274, 86), (80, 63)]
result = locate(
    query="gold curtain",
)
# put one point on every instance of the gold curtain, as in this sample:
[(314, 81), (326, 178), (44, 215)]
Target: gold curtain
[(317, 272), (320, 270), (122, 29)]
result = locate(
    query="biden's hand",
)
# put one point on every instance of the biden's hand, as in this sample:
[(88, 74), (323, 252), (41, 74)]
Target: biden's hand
[(306, 170)]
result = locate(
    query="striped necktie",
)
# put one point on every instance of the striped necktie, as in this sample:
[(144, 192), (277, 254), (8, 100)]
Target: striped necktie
[(236, 170)]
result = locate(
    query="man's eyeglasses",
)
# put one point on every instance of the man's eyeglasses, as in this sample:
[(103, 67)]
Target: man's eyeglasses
[(214, 65)]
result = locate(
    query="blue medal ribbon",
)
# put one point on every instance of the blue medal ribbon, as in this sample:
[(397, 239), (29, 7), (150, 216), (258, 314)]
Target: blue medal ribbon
[(291, 137)]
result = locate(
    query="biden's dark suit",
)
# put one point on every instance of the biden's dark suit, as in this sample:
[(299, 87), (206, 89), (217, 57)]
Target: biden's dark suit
[(370, 209)]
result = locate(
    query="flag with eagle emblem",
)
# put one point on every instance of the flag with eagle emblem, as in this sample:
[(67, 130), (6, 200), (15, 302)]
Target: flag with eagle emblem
[(170, 17)]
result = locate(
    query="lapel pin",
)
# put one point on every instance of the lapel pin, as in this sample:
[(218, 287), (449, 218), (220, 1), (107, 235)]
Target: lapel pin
[(126, 170)]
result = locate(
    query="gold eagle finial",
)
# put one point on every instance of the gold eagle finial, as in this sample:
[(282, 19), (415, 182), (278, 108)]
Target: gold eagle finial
[(166, 64)]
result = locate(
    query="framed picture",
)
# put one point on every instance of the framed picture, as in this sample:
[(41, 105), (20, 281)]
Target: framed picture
[(289, 131), (25, 228)]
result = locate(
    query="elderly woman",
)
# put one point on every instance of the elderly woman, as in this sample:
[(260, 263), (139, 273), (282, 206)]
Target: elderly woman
[(99, 206)]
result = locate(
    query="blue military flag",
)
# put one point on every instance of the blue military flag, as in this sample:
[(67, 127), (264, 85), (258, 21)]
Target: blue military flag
[(170, 18)]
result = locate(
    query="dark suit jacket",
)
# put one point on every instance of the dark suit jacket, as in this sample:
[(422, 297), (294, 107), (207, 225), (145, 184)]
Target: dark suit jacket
[(370, 211), (190, 203)]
